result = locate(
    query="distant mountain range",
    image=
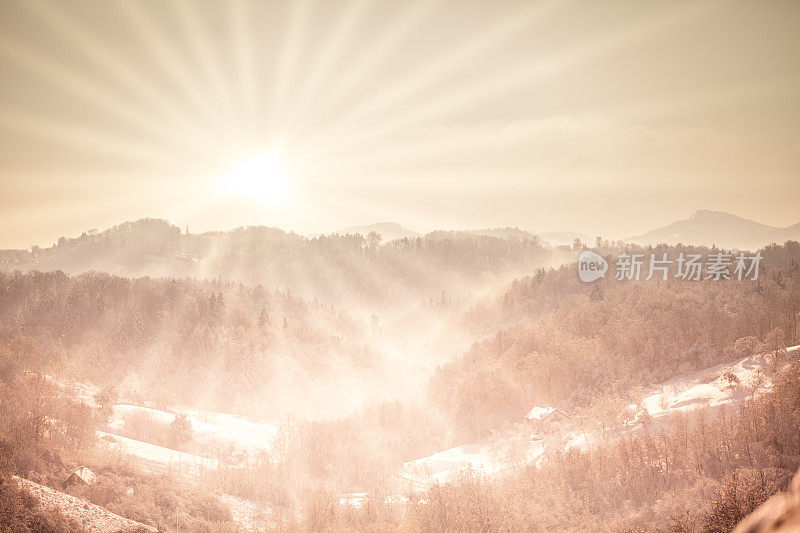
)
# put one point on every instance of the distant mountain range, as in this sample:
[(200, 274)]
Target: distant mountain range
[(563, 238), (505, 233), (557, 238), (330, 269), (704, 228), (152, 241), (392, 230), (721, 229), (388, 231)]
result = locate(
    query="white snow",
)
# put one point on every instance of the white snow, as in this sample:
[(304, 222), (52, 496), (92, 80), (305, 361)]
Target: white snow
[(706, 388), (711, 387), (211, 429), (353, 499), (239, 431), (483, 457), (214, 432), (538, 413), (158, 458), (81, 391)]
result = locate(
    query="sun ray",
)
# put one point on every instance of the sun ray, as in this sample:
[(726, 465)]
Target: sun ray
[(240, 16), (500, 82), (467, 140), (82, 136), (87, 90), (376, 51), (170, 64), (113, 65), (424, 147), (286, 64), (449, 62), (332, 47), (228, 125)]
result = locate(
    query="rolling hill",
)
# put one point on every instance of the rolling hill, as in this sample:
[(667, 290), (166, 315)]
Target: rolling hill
[(388, 231), (721, 229)]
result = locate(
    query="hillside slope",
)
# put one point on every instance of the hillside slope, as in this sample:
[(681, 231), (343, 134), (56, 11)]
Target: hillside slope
[(721, 385), (94, 518), (388, 231), (708, 228)]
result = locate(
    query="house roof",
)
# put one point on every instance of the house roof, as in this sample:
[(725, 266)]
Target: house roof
[(84, 474), (542, 413)]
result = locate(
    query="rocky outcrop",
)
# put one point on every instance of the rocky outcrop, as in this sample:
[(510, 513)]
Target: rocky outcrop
[(779, 514)]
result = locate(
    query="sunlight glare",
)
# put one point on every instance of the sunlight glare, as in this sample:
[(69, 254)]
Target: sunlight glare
[(260, 177)]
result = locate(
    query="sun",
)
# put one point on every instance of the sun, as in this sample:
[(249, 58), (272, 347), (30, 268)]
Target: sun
[(259, 177)]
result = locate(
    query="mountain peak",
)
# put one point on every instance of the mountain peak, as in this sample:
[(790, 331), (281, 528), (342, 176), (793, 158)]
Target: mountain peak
[(710, 214), (386, 225), (389, 231), (705, 213), (706, 228)]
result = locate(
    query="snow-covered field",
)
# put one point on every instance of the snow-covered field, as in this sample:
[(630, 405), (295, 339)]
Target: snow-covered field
[(712, 387), (723, 384), (158, 458), (211, 430), (483, 457)]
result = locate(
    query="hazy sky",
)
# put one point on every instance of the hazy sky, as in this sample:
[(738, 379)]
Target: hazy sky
[(605, 118)]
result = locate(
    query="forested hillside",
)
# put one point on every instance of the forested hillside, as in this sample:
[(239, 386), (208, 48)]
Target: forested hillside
[(357, 269), (204, 343), (565, 342), (323, 372)]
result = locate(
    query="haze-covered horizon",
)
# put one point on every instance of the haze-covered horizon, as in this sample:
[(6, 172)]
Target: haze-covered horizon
[(705, 228)]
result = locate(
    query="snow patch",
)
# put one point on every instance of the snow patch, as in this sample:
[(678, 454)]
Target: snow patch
[(719, 385), (482, 457), (158, 458), (213, 429)]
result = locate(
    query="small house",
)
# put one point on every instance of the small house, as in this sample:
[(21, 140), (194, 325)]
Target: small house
[(548, 419), (82, 476)]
